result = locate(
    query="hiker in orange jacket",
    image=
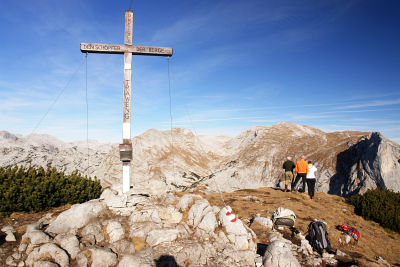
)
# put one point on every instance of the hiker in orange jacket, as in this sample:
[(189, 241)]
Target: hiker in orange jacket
[(301, 170)]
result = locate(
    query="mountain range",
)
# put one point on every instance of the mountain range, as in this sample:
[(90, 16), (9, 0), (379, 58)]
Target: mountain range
[(348, 162)]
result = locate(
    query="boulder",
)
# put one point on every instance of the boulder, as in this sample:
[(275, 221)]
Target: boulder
[(70, 243), (123, 247), (37, 237), (81, 259), (235, 228), (191, 252), (142, 229), (305, 246), (9, 231), (44, 263), (137, 200), (208, 223), (132, 261), (56, 253), (103, 257), (8, 228), (152, 187), (199, 209), (265, 222), (22, 247), (146, 215), (236, 232), (115, 231), (76, 217), (156, 237), (169, 215), (186, 200), (10, 261), (10, 237), (279, 254), (92, 233), (113, 199)]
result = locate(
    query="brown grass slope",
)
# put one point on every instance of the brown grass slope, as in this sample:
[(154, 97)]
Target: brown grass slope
[(374, 240)]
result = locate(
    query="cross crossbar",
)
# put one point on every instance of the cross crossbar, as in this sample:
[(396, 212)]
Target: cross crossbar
[(121, 49)]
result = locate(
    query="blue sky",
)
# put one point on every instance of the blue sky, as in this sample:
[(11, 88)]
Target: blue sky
[(334, 65)]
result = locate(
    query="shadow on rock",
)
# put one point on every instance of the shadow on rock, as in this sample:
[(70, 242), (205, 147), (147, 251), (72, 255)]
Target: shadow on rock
[(261, 248), (355, 165), (166, 261)]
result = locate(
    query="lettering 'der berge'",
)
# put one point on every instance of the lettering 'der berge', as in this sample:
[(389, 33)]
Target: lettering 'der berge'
[(128, 50)]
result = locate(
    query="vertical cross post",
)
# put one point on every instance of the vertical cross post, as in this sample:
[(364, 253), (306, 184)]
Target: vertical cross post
[(126, 151)]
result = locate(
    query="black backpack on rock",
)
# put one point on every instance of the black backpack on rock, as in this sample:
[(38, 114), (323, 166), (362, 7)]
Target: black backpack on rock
[(318, 236)]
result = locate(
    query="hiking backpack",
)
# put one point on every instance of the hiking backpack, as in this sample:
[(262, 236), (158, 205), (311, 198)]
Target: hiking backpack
[(318, 236), (349, 230), (283, 217)]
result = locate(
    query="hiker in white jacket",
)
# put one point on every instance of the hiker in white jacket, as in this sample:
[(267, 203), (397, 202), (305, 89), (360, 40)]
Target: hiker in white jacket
[(310, 179)]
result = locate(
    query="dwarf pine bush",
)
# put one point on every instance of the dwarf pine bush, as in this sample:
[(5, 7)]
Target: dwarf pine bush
[(379, 205), (36, 189)]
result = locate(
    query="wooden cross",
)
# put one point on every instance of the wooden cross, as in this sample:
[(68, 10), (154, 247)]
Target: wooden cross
[(128, 50)]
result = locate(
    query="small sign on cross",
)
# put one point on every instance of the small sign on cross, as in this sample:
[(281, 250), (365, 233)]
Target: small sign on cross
[(128, 50)]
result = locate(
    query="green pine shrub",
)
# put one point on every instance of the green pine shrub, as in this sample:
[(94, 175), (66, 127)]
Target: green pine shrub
[(36, 189), (379, 205)]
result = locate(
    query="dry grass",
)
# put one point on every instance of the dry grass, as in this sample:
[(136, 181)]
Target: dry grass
[(334, 210), (139, 243), (44, 257)]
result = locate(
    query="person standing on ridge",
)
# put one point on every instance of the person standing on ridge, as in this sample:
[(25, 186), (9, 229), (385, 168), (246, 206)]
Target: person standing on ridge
[(301, 170), (288, 165), (311, 179)]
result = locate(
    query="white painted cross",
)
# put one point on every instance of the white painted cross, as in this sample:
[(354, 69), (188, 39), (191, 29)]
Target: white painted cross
[(128, 50)]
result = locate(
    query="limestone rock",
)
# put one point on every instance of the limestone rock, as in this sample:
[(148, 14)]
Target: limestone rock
[(208, 223), (199, 209), (186, 200), (57, 254), (137, 200), (142, 229), (36, 237), (10, 261), (169, 215), (265, 222), (123, 247), (156, 237), (9, 231), (115, 231), (69, 242), (8, 228), (44, 263), (103, 257), (76, 217), (113, 199), (81, 259), (22, 247), (279, 254), (145, 215), (132, 261), (236, 232), (92, 231)]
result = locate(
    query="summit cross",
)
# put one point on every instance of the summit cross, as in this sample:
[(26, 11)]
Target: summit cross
[(128, 50)]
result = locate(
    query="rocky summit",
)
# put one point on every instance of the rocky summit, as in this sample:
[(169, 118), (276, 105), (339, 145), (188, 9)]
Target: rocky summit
[(348, 162), (192, 229)]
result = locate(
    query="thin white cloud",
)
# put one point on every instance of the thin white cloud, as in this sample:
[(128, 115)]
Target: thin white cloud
[(376, 103)]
